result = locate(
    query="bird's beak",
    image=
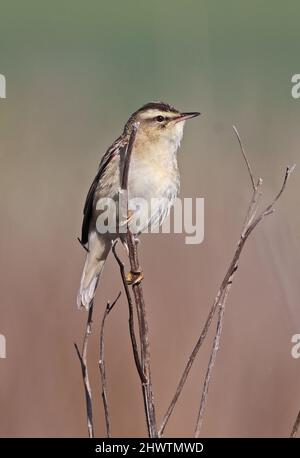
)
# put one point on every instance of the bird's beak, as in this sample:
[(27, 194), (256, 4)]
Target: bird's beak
[(185, 116)]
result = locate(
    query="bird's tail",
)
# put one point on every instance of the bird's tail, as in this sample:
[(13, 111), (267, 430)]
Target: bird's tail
[(99, 247)]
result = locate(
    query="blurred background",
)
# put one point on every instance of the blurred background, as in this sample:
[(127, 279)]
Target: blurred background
[(75, 71)]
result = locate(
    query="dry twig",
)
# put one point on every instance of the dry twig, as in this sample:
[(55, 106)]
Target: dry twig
[(108, 309), (85, 375), (131, 315), (295, 426), (219, 303), (249, 226)]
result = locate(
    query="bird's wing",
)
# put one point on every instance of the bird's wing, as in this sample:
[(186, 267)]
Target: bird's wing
[(116, 149)]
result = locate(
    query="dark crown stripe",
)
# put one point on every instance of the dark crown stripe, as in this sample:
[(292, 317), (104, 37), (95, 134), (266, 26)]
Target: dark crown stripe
[(158, 106)]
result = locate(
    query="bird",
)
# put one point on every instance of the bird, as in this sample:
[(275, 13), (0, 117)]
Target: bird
[(153, 176)]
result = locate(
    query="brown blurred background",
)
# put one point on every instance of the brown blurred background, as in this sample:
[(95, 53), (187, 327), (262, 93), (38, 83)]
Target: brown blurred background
[(75, 71)]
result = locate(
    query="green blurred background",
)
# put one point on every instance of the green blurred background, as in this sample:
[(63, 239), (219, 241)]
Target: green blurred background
[(75, 71)]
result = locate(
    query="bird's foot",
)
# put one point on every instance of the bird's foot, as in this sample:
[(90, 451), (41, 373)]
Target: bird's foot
[(134, 277)]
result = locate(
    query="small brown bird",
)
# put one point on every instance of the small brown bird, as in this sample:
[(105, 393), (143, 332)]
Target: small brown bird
[(153, 181)]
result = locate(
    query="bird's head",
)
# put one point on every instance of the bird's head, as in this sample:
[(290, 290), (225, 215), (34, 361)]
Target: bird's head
[(160, 121)]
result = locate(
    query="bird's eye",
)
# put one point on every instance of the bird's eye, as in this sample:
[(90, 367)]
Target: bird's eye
[(159, 118)]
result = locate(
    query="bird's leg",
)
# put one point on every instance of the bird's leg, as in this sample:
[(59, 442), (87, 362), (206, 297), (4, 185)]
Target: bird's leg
[(134, 277)]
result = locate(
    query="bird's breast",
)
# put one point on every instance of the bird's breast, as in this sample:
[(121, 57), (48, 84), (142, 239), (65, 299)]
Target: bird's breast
[(153, 173)]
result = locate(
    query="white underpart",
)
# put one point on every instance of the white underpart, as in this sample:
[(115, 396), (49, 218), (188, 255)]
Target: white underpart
[(151, 195)]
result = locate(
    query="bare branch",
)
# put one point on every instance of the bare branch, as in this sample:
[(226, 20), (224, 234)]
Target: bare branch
[(108, 309), (289, 170), (144, 336), (249, 224), (296, 426), (245, 157), (216, 344), (227, 280), (211, 361), (131, 315), (254, 203), (85, 375)]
